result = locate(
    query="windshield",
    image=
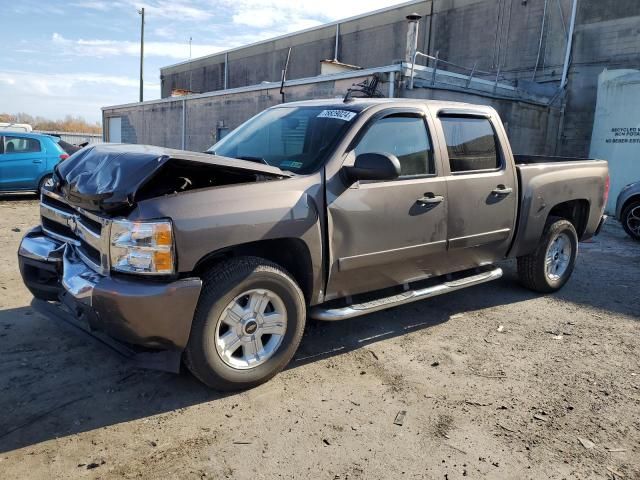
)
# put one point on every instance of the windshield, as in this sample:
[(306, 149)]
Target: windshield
[(291, 138)]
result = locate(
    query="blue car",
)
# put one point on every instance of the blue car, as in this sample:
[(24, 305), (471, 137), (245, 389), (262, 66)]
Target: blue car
[(27, 161), (628, 209)]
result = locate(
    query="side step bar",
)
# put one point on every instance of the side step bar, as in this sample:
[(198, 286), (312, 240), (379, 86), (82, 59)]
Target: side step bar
[(355, 310)]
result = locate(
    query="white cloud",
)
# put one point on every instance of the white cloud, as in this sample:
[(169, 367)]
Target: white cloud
[(173, 9), (108, 48), (164, 32), (56, 95), (266, 13), (102, 6), (257, 13), (61, 84), (275, 20)]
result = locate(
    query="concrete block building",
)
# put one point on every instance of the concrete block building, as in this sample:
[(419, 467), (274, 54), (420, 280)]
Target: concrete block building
[(536, 61)]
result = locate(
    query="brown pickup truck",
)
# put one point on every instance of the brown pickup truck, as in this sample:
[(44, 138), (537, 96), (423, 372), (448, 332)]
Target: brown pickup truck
[(326, 209)]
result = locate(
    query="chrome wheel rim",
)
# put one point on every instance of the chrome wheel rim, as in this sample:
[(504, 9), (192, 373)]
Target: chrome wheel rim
[(558, 256), (633, 220), (251, 329), (48, 182)]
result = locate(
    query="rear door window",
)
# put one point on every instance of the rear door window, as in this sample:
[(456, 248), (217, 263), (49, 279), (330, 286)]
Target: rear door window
[(471, 144), (21, 145)]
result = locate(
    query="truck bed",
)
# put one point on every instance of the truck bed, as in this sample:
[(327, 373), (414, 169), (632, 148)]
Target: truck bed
[(546, 182), (533, 159)]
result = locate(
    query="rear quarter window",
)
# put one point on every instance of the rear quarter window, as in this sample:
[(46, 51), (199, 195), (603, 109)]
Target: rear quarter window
[(56, 148)]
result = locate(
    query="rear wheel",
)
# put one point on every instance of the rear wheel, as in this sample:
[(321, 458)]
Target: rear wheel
[(45, 182), (247, 326), (631, 220), (551, 264)]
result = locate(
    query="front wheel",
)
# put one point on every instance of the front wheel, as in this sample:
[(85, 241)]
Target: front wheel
[(551, 264), (631, 220), (247, 326)]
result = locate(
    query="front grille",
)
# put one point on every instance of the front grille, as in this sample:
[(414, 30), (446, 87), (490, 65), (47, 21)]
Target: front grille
[(53, 202), (88, 232), (90, 252), (57, 228)]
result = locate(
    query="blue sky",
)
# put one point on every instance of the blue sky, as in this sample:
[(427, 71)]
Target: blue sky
[(73, 57)]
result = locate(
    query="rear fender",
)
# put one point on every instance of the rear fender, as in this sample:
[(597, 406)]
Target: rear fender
[(542, 192)]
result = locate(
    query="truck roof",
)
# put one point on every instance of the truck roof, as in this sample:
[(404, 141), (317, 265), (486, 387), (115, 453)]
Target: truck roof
[(360, 104)]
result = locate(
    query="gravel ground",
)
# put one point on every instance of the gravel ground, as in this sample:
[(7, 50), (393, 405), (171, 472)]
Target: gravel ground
[(496, 382)]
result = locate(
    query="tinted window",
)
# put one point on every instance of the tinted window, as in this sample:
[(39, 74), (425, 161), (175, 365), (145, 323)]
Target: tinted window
[(404, 137), (471, 144), (21, 145)]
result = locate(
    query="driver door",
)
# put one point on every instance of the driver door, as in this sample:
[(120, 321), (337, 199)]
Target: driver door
[(386, 233)]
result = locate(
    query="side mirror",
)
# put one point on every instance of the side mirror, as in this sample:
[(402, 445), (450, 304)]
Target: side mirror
[(374, 166)]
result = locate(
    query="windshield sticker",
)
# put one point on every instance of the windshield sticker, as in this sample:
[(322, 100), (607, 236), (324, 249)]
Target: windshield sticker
[(345, 115), (291, 164)]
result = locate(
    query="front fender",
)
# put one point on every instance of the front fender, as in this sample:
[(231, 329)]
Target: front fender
[(213, 219)]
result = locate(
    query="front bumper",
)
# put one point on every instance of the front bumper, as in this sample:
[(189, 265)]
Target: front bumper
[(131, 310)]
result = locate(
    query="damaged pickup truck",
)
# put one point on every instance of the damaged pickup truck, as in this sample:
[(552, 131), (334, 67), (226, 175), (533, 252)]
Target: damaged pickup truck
[(325, 209)]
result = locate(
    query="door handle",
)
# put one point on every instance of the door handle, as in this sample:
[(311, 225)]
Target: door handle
[(430, 199), (37, 161), (502, 190)]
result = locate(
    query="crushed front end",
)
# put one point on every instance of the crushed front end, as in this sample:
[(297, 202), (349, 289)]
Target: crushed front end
[(68, 259), (111, 270)]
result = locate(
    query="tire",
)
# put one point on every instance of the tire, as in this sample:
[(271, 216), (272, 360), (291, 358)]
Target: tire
[(631, 220), (532, 269), (226, 288), (43, 183)]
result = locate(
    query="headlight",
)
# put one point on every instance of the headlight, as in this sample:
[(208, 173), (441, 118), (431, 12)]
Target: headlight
[(142, 247)]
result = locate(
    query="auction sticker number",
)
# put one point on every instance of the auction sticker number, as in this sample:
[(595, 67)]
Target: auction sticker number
[(345, 115)]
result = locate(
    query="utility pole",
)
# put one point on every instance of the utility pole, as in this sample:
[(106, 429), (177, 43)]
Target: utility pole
[(190, 71), (141, 12)]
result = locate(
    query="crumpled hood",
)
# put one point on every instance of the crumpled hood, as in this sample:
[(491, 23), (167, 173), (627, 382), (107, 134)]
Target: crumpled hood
[(107, 177)]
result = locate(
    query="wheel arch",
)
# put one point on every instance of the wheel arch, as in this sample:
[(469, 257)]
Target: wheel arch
[(290, 253), (41, 178), (576, 211)]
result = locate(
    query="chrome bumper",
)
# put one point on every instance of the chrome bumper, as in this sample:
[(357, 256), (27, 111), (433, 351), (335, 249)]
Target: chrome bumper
[(132, 310), (76, 277)]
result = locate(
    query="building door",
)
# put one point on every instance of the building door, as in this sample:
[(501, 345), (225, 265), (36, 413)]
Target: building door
[(115, 130)]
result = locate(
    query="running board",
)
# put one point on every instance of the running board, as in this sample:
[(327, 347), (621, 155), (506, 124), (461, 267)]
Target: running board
[(355, 310)]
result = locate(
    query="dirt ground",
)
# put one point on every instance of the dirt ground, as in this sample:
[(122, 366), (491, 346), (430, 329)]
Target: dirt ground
[(496, 382)]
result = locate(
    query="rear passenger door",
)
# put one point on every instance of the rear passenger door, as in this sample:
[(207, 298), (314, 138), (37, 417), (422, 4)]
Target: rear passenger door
[(22, 163), (482, 189)]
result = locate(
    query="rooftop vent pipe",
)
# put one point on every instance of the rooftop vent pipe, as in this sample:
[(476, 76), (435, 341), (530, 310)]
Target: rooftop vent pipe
[(412, 36)]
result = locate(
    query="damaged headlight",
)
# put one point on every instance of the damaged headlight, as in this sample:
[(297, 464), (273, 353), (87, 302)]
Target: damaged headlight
[(142, 247)]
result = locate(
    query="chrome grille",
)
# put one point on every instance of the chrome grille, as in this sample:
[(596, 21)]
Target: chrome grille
[(88, 232)]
